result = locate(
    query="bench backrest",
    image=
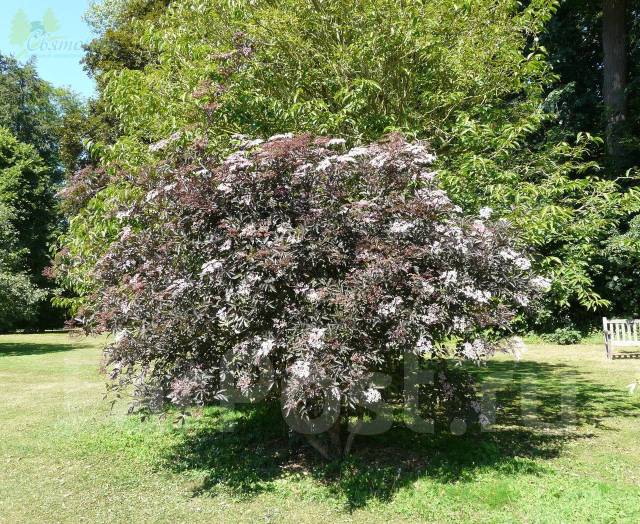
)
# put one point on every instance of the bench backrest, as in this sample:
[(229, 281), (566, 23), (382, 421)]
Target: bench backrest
[(622, 332)]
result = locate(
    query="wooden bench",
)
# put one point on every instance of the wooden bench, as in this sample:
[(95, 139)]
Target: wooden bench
[(621, 333)]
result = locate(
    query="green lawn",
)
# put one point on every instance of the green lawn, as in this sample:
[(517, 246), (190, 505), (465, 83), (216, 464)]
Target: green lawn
[(65, 456)]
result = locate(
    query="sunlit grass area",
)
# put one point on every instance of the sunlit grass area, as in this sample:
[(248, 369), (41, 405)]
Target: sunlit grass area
[(67, 456)]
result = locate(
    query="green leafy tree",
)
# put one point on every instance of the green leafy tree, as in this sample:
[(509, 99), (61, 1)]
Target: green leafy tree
[(117, 46), (54, 123), (19, 297), (471, 77), (27, 187), (75, 128), (27, 195), (28, 107), (105, 14), (595, 52)]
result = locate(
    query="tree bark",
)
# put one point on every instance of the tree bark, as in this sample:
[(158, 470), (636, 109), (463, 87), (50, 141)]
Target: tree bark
[(352, 435), (614, 37), (329, 447), (335, 438), (318, 446)]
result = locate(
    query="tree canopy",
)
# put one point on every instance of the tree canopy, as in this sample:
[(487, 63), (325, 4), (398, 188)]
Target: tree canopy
[(41, 132), (487, 83), (26, 198)]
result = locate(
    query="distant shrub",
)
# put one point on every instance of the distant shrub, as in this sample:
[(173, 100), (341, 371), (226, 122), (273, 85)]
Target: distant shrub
[(563, 336), (19, 297), (292, 270)]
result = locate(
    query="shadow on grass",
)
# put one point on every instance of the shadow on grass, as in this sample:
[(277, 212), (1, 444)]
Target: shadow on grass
[(258, 449), (10, 349)]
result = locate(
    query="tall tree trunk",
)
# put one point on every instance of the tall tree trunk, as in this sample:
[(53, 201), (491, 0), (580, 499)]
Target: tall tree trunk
[(614, 37)]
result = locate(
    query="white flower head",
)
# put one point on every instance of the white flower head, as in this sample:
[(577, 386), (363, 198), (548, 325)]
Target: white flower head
[(266, 347), (316, 338), (302, 170), (346, 159), (541, 283), (249, 230), (485, 213), (428, 176), (449, 277), (178, 287), (479, 227), (460, 323), (300, 369), (211, 267), (336, 142), (253, 143), (121, 335), (522, 263), (372, 396), (121, 215), (401, 226), (281, 136), (222, 314), (379, 160), (424, 346), (126, 233), (427, 287), (358, 151), (508, 254), (523, 300), (476, 350), (313, 296), (388, 309), (244, 289), (479, 295), (324, 164), (151, 195)]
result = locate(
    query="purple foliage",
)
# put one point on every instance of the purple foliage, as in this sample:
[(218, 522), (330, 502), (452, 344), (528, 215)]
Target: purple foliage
[(295, 268)]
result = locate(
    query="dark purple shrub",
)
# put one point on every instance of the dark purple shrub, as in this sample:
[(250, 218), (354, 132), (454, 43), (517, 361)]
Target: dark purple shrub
[(294, 270)]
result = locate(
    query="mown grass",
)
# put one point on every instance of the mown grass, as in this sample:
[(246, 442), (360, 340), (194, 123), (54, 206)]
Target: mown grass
[(65, 456)]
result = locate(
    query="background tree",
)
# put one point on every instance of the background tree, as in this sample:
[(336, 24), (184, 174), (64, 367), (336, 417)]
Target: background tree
[(42, 136), (116, 47), (577, 38), (614, 44), (19, 298), (28, 108), (28, 221), (472, 78), (75, 130), (574, 39), (26, 187)]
